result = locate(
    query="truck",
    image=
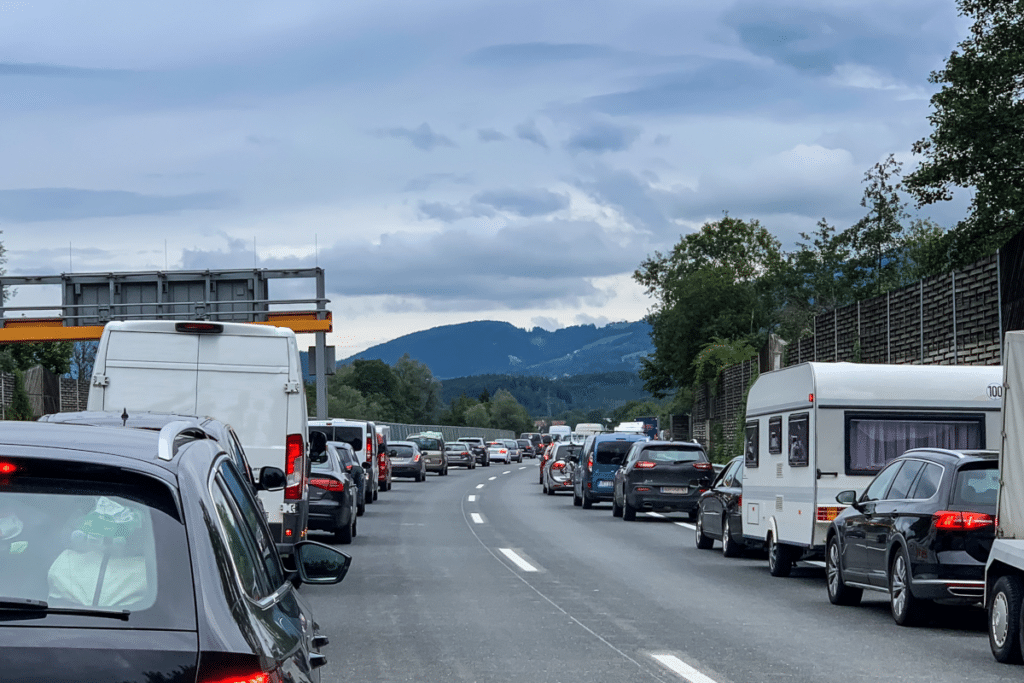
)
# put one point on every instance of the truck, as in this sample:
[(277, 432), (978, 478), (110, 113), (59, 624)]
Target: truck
[(815, 429), (1004, 569)]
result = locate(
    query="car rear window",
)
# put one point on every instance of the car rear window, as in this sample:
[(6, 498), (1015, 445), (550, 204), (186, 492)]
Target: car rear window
[(401, 451), (94, 538), (606, 451), (674, 454), (427, 444), (976, 486)]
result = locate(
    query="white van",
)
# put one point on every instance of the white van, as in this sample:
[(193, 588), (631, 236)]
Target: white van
[(559, 432), (815, 429), (246, 375)]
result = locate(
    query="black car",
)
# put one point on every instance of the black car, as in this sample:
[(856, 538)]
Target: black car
[(146, 550), (333, 496), (921, 532), (526, 446), (667, 476), (720, 511), (479, 448), (356, 468)]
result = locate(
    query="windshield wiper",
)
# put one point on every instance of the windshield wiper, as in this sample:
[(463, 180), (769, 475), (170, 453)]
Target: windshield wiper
[(42, 607)]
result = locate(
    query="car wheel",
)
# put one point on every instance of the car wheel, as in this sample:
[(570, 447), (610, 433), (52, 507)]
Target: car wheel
[(838, 592), (588, 502), (576, 500), (616, 508), (704, 542), (376, 493), (906, 609), (361, 507), (729, 547), (355, 527), (551, 491), (628, 511), (343, 534), (1004, 620), (780, 558), (368, 494)]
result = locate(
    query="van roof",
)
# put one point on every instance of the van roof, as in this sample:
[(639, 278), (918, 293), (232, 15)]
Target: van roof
[(169, 327), (857, 385)]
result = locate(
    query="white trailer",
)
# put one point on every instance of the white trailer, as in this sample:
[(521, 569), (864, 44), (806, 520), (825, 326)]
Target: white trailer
[(1004, 571), (815, 429)]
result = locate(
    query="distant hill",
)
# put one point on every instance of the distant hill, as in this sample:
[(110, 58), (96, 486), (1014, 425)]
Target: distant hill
[(542, 396), (489, 347)]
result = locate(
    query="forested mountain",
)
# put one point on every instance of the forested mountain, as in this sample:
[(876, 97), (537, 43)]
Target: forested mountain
[(490, 347)]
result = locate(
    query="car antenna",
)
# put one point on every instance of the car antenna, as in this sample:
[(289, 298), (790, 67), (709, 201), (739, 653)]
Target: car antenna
[(124, 418)]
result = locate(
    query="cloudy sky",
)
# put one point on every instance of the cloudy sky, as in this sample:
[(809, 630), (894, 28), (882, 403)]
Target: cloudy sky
[(451, 160)]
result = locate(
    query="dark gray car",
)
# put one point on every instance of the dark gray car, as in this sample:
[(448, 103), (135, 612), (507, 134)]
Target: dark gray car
[(333, 496), (407, 460)]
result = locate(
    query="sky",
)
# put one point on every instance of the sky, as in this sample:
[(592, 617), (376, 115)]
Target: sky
[(446, 161)]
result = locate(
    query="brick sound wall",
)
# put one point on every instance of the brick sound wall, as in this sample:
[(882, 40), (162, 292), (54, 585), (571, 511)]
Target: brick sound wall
[(722, 406)]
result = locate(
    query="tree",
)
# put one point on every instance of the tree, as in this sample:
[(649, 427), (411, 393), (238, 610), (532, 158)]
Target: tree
[(417, 396), (507, 413), (54, 356), (723, 281), (21, 407), (82, 361), (373, 377), (977, 139), (877, 238), (478, 416)]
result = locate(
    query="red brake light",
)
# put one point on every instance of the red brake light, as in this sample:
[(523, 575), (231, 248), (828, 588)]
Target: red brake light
[(590, 462), (558, 465), (199, 328), (702, 466), (369, 449), (739, 501), (416, 458), (645, 464), (327, 484), (216, 667), (293, 466), (954, 519), (7, 468)]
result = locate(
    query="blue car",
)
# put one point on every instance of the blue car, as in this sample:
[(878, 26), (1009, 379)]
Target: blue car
[(594, 476)]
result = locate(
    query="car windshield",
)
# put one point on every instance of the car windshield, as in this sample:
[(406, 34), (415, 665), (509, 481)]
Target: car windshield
[(108, 546), (673, 454), (611, 452), (976, 486)]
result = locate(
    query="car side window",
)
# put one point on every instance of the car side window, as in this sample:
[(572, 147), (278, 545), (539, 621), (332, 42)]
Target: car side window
[(239, 544), (238, 454), (904, 480), (265, 545), (880, 485), (928, 482), (729, 476)]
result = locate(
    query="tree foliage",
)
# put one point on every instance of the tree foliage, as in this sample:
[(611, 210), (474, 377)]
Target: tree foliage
[(877, 239), (977, 139)]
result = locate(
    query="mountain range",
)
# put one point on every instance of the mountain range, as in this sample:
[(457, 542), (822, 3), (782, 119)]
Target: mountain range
[(490, 347)]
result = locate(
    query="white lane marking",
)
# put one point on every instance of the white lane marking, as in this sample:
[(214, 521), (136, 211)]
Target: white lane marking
[(518, 561), (815, 563), (678, 666), (479, 486), (522, 468), (507, 472), (477, 519), (655, 514), (686, 525), (491, 478), (472, 499)]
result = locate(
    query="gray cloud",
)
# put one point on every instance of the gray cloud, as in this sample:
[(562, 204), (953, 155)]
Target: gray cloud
[(528, 203), (449, 213), (531, 133), (56, 71), (422, 137), (61, 203), (520, 55), (425, 182), (602, 137), (490, 135)]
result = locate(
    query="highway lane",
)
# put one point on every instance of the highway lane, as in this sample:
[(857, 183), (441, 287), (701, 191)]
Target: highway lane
[(513, 585)]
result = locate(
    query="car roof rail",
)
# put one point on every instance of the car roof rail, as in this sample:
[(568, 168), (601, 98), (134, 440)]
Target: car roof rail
[(170, 437)]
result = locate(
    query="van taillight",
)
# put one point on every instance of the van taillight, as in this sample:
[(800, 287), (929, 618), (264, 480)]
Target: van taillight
[(590, 462), (369, 449), (293, 468), (199, 328)]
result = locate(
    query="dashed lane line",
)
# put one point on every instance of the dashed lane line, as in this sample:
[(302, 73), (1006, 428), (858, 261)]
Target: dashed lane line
[(507, 472), (681, 668), (479, 486), (472, 499), (517, 560), (522, 468), (491, 478), (477, 519)]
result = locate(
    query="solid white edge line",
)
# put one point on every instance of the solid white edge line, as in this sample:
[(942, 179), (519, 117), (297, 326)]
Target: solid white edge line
[(472, 499), (518, 561), (477, 519), (686, 525), (815, 563), (655, 514), (479, 486), (678, 666)]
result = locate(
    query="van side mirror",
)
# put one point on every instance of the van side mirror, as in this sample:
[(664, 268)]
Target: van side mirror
[(846, 497), (271, 479), (367, 466)]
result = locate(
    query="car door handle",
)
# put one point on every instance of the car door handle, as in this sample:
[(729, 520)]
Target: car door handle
[(316, 660)]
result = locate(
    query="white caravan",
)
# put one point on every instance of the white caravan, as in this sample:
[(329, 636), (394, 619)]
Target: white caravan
[(816, 429), (246, 375)]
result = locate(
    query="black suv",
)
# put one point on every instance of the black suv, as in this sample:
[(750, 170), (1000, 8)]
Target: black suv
[(146, 549), (921, 531)]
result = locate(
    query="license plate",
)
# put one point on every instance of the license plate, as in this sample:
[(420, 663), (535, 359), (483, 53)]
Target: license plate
[(674, 489), (288, 508), (604, 484)]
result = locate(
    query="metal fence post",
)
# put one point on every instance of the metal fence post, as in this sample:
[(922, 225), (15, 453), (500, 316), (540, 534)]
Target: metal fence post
[(956, 357)]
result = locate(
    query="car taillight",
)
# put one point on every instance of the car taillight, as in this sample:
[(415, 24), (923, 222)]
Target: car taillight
[(217, 667), (7, 468), (645, 465), (503, 451), (416, 458), (558, 465), (369, 449), (293, 467), (327, 484), (955, 519), (739, 501), (348, 468), (702, 466), (590, 462), (826, 513)]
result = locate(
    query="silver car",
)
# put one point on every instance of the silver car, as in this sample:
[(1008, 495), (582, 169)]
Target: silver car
[(514, 451), (557, 473), (498, 451)]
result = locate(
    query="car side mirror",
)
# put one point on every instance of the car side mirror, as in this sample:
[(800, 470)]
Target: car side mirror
[(320, 564), (367, 466), (271, 479), (847, 497)]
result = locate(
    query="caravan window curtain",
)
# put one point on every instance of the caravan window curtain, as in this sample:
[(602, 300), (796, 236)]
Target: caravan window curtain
[(872, 441)]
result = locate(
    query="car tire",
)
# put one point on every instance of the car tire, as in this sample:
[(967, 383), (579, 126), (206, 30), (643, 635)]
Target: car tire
[(616, 508), (1004, 620), (361, 507), (780, 558), (628, 511), (376, 493), (355, 527), (576, 500), (551, 491), (704, 542), (838, 592), (368, 497), (588, 502), (343, 534), (906, 609), (730, 548)]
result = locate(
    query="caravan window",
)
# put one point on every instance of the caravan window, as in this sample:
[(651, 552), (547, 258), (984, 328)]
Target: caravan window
[(799, 443), (750, 452), (775, 435), (873, 440)]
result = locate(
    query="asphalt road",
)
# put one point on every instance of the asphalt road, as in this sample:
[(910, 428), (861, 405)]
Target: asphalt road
[(480, 577)]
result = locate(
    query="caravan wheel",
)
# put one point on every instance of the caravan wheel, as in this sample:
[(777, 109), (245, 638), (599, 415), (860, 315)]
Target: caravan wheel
[(780, 558)]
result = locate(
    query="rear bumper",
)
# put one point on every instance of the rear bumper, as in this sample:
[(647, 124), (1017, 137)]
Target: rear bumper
[(327, 515), (655, 500), (405, 470)]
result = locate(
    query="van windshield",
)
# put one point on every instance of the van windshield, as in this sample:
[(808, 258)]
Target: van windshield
[(611, 452)]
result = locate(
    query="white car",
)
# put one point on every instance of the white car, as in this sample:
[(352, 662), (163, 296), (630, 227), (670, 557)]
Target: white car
[(498, 451)]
